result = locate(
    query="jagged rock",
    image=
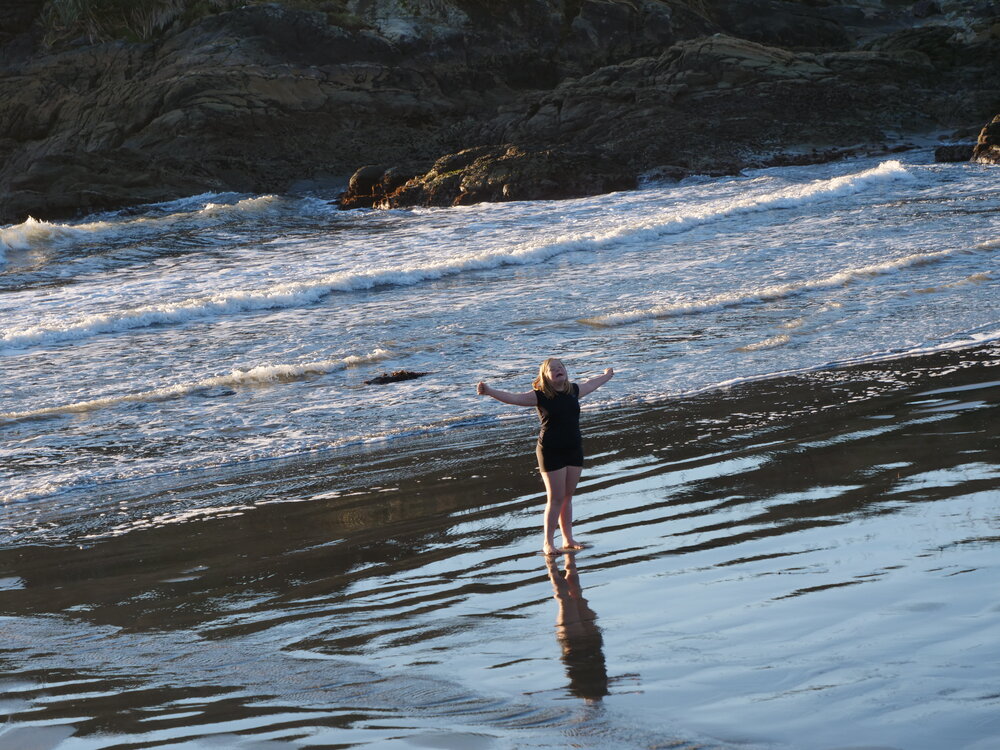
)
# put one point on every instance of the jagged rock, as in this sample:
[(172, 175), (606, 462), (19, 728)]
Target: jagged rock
[(954, 152), (929, 44), (664, 173), (987, 149), (710, 106), (226, 104), (509, 173), (264, 95), (926, 9), (720, 104), (371, 185), (395, 377), (792, 25)]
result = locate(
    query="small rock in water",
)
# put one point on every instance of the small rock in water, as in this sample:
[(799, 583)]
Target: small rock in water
[(216, 392), (954, 152), (395, 377), (987, 150)]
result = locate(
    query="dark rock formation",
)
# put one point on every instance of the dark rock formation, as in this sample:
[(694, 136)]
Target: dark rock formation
[(954, 152), (264, 96), (791, 25), (370, 186), (18, 16), (721, 103), (491, 174), (227, 104), (395, 377), (987, 149), (925, 9)]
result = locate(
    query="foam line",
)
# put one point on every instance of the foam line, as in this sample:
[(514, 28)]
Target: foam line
[(769, 293), (792, 196), (770, 343), (259, 374), (969, 341), (281, 296), (34, 233), (305, 293), (37, 234)]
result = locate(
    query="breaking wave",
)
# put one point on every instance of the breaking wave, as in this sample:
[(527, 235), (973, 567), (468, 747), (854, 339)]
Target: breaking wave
[(197, 212), (768, 293), (259, 374), (290, 295)]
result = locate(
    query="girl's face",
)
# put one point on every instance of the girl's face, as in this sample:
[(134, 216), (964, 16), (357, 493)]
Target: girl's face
[(556, 373)]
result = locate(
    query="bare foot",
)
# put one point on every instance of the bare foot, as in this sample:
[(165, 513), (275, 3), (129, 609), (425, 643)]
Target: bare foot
[(549, 551), (572, 544)]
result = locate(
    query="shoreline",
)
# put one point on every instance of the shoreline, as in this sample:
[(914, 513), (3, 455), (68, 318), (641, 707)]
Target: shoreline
[(752, 560), (719, 410), (332, 188)]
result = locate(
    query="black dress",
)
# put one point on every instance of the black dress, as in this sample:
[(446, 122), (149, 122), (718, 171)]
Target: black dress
[(559, 442)]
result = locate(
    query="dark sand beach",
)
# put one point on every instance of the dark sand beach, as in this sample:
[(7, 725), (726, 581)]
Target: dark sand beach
[(806, 562)]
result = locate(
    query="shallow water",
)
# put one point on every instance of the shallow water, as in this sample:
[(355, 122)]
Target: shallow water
[(215, 535), (228, 328), (800, 562)]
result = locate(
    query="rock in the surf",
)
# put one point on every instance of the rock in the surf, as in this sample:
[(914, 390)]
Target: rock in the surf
[(511, 173), (987, 149), (395, 377), (371, 185), (954, 152)]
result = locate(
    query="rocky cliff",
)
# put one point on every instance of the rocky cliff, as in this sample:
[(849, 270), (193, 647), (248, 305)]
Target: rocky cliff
[(560, 97)]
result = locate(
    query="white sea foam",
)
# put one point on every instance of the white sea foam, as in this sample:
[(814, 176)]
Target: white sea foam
[(769, 343), (236, 377), (289, 295), (37, 234), (246, 206), (792, 196), (768, 293), (280, 296), (962, 341), (33, 233)]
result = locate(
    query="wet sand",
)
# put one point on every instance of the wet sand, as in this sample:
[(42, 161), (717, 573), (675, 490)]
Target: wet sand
[(806, 562)]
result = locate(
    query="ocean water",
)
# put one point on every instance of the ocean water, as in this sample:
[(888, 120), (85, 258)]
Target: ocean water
[(233, 328), (215, 534)]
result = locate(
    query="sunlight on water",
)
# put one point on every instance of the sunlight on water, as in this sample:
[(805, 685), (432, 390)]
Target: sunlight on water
[(215, 534), (166, 318)]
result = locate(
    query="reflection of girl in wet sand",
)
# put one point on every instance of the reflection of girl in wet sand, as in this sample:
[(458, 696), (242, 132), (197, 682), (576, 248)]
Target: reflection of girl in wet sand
[(560, 446), (578, 634)]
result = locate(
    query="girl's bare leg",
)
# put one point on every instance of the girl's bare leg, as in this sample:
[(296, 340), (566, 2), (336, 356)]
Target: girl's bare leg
[(566, 513), (555, 491)]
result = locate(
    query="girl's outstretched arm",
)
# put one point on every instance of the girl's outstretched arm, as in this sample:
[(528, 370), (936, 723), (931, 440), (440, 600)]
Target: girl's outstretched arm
[(594, 383), (515, 399)]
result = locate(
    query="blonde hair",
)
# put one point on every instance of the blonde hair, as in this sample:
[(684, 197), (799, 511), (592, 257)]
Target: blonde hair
[(542, 382)]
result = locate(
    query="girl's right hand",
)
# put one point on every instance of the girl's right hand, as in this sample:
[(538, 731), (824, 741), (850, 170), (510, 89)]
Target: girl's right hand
[(481, 388)]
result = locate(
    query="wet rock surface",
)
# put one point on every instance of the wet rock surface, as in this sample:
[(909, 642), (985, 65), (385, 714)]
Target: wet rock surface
[(395, 377), (491, 174), (987, 149), (955, 152)]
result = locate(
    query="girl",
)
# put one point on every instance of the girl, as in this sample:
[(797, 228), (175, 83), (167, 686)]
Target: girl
[(560, 447)]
